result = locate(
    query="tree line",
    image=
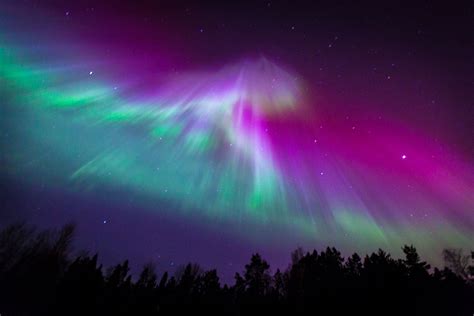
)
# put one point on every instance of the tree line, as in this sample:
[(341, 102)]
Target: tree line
[(40, 276)]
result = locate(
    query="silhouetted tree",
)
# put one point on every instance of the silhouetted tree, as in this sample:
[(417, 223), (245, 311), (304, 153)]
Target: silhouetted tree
[(82, 286), (257, 277), (279, 285), (38, 277), (457, 261)]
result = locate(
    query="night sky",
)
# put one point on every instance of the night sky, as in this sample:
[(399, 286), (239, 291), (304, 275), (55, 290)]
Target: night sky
[(183, 131)]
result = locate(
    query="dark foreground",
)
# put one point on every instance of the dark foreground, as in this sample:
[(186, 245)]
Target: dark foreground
[(38, 276)]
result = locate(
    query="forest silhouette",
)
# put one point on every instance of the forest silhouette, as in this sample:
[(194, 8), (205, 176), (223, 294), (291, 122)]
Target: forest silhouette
[(40, 276)]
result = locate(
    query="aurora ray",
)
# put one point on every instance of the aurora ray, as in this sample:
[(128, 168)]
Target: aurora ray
[(244, 148)]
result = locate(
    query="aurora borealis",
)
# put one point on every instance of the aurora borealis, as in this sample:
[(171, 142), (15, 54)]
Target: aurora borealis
[(247, 145)]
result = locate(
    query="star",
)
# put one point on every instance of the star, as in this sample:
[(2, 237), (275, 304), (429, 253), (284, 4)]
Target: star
[(404, 157), (105, 221), (91, 73)]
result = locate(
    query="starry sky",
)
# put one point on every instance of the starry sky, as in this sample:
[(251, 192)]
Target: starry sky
[(183, 131)]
